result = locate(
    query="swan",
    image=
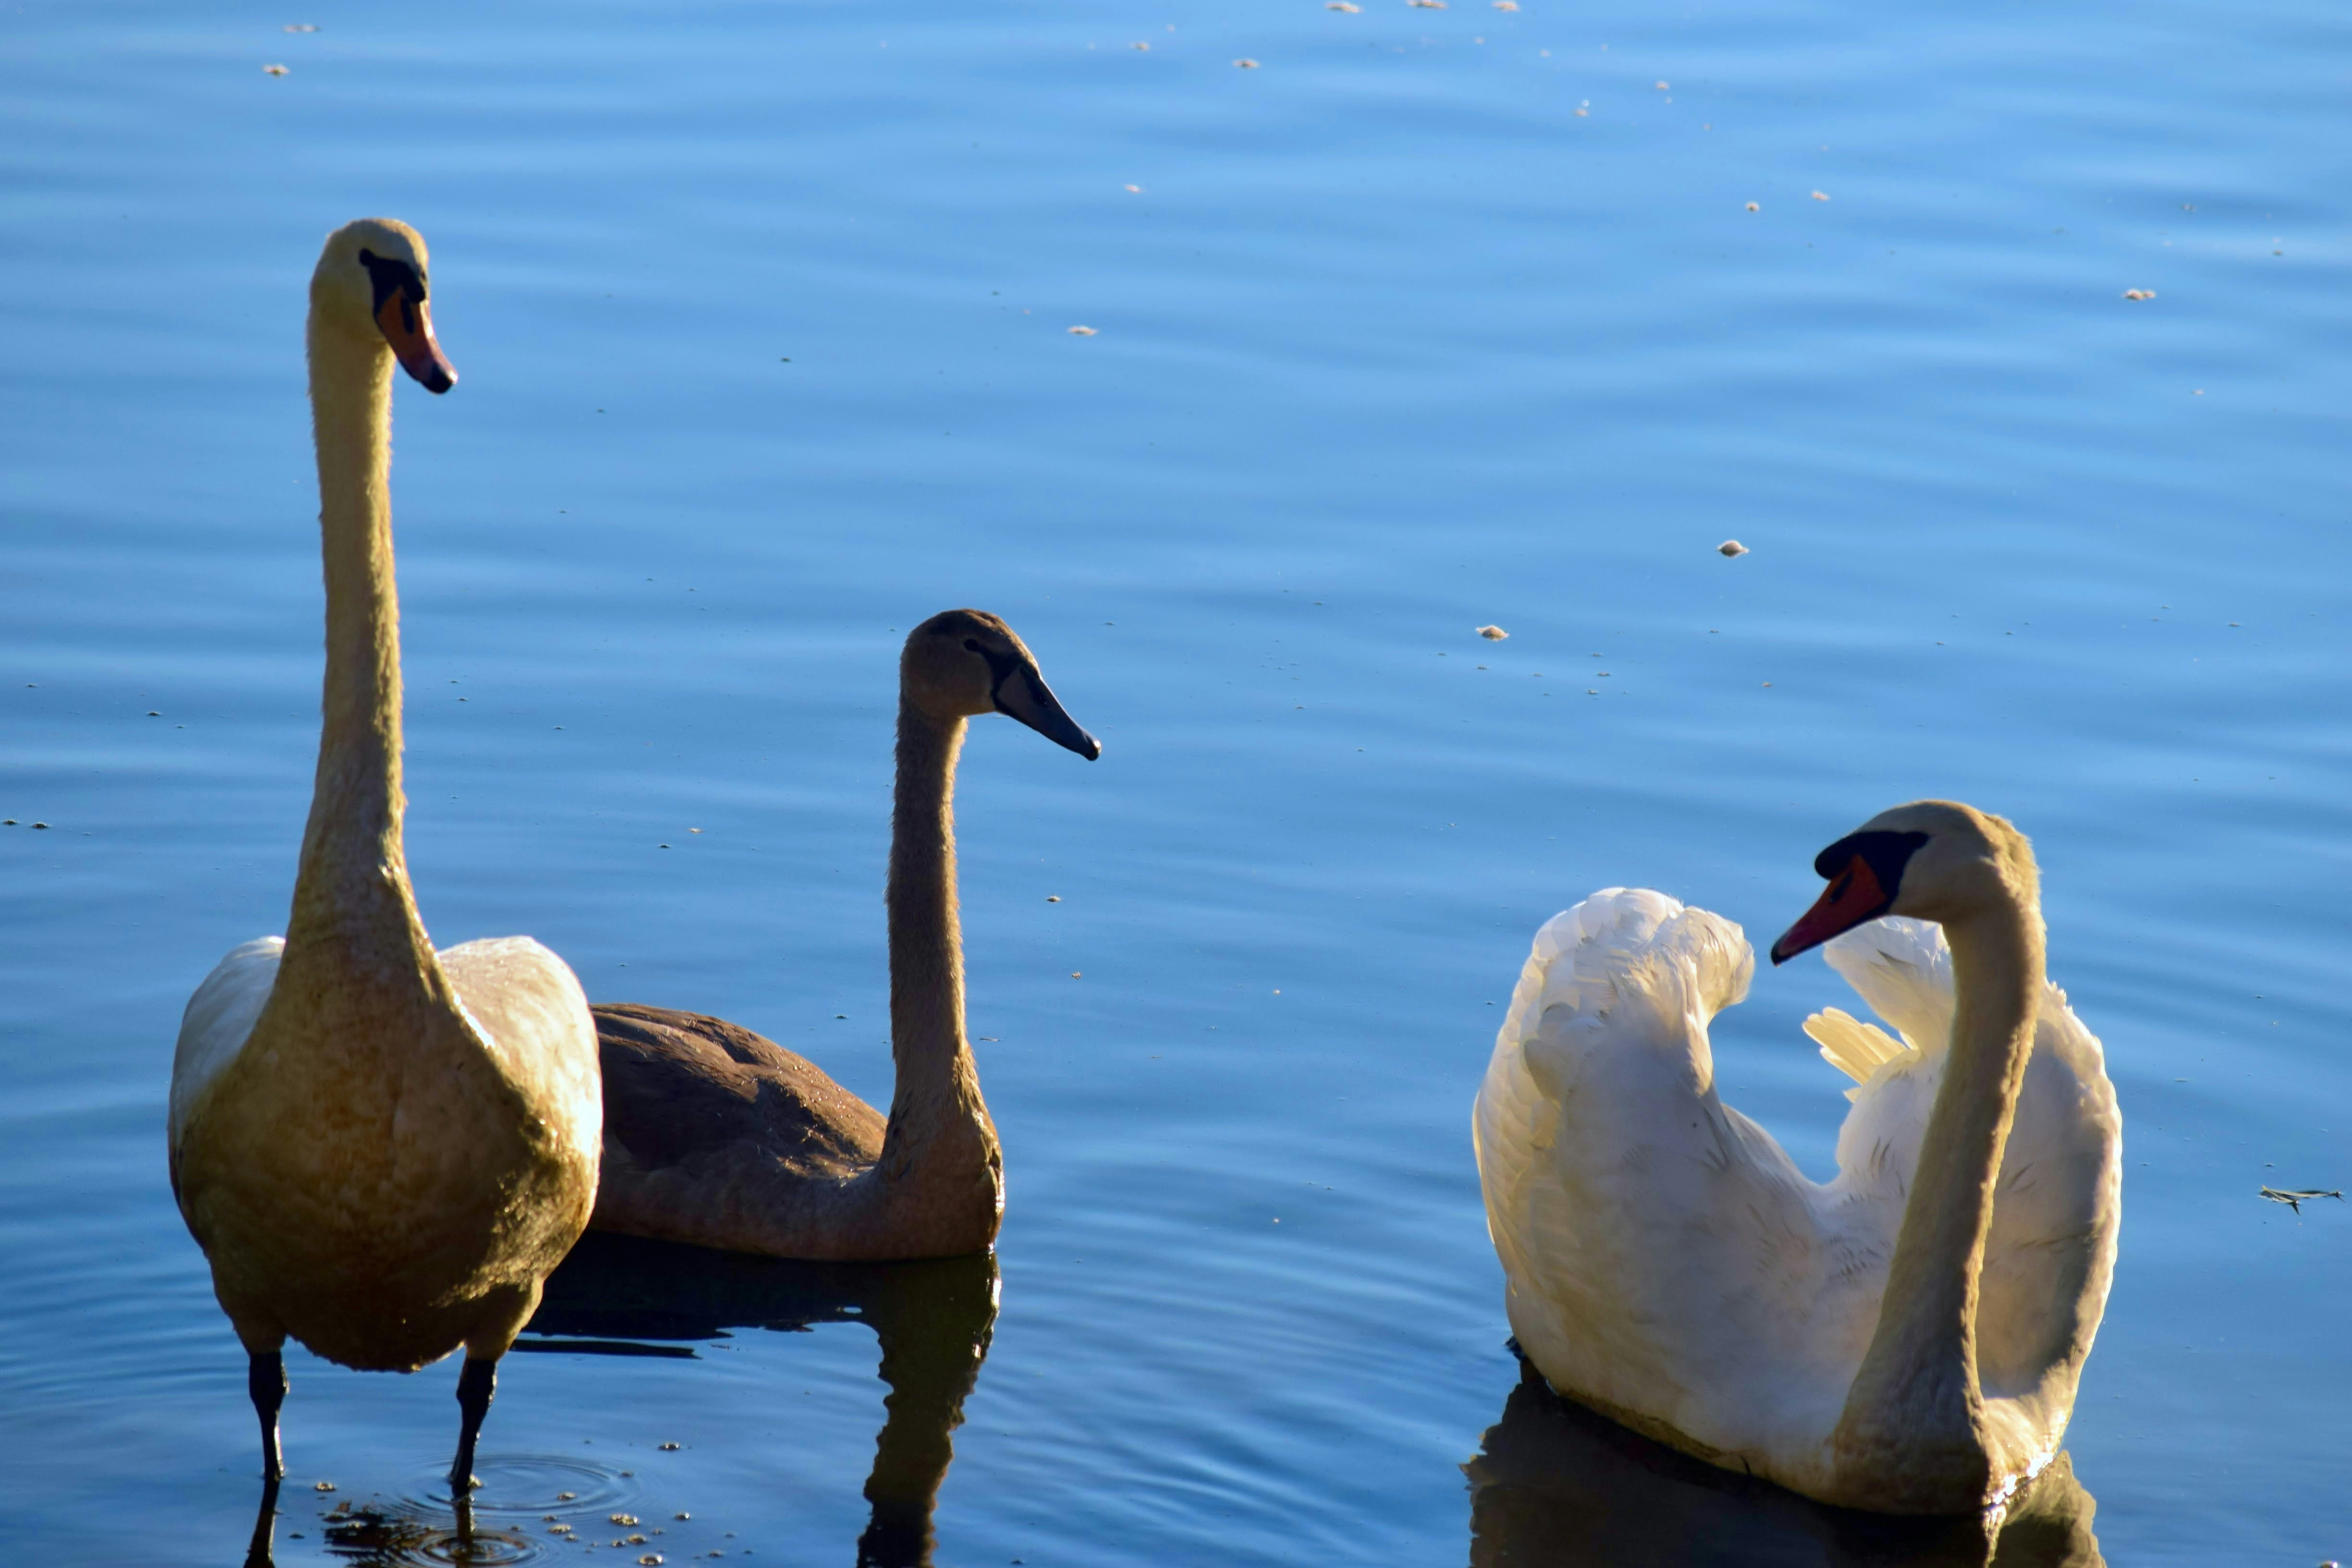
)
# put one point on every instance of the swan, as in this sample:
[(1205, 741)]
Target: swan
[(716, 1136), (382, 1150), (1905, 1338)]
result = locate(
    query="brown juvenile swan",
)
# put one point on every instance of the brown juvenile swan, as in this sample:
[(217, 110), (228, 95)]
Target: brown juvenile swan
[(717, 1136)]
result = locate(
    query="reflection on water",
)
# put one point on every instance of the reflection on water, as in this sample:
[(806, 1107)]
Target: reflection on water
[(933, 1319), (1555, 1483), (383, 1535)]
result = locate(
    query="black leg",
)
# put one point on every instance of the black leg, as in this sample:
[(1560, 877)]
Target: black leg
[(476, 1384), (265, 1379)]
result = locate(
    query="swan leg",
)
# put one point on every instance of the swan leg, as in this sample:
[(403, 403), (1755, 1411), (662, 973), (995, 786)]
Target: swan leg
[(265, 1380), (476, 1385)]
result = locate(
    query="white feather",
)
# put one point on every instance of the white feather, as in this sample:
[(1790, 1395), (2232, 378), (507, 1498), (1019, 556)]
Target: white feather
[(218, 1021)]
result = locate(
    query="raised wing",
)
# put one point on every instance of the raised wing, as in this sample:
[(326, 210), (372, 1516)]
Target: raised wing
[(1664, 1257), (2049, 1253)]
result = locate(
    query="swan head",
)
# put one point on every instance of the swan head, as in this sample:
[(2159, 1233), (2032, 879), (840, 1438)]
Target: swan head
[(1932, 859), (371, 283), (962, 663)]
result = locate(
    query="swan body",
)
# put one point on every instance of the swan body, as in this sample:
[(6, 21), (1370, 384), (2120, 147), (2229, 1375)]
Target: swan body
[(719, 1137), (1670, 1266), (383, 1231), (382, 1148)]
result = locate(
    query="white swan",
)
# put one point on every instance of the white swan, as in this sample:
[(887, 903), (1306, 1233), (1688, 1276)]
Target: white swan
[(1669, 1265), (383, 1149)]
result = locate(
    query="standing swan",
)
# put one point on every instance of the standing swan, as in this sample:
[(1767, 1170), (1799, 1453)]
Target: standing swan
[(383, 1149), (1670, 1267), (716, 1136)]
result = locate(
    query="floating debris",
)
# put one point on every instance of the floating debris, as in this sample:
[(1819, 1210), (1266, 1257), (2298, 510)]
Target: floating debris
[(1820, 195), (1076, 975), (2295, 1198), (1662, 88), (1139, 46), (565, 1497), (302, 27), (1731, 547), (330, 1486), (1245, 63), (1506, 4), (1135, 190), (1754, 207), (2139, 293), (1341, 5), (666, 1448), (1492, 634), (1052, 898), (622, 1520), (274, 71), (1426, 5), (1082, 332)]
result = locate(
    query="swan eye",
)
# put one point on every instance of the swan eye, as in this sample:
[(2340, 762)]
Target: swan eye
[(972, 645)]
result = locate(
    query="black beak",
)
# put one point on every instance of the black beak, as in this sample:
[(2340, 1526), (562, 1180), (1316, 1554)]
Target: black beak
[(1023, 694)]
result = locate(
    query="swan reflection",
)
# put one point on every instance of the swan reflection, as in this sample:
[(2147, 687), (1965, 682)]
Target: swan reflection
[(395, 1535), (619, 1295), (1555, 1483)]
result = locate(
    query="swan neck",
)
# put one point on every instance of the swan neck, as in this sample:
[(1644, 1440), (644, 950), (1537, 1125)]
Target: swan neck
[(935, 1111), (352, 907), (1919, 1376)]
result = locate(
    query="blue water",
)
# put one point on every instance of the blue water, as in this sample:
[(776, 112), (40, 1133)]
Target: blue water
[(762, 315)]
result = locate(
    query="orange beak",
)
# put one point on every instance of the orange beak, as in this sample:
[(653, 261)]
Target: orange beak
[(1853, 897), (407, 326)]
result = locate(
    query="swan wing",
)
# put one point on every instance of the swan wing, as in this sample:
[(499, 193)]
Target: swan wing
[(528, 1006), (1903, 968), (2050, 1252), (218, 1021), (2051, 1255), (1663, 1255)]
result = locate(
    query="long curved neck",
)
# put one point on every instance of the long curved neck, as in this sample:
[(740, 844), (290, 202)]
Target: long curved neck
[(354, 913), (939, 1124), (1917, 1388)]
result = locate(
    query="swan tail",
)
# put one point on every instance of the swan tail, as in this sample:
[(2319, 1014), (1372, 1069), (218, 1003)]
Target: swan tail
[(1855, 1048)]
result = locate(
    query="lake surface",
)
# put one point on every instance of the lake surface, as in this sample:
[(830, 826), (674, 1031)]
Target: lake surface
[(1432, 319)]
